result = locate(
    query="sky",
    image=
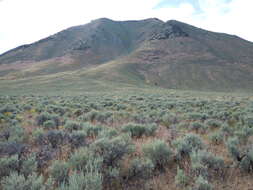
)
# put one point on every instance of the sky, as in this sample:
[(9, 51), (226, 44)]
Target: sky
[(26, 21)]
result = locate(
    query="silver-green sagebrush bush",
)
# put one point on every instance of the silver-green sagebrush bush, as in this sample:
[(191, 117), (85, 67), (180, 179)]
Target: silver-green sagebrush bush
[(81, 158), (181, 179), (138, 130), (208, 160), (89, 176), (19, 182), (212, 123), (216, 138), (202, 184), (92, 130), (188, 144), (59, 171), (159, 152), (28, 165), (16, 134), (233, 147), (45, 116), (8, 165), (113, 149), (49, 124), (169, 119), (79, 181), (247, 160), (78, 139), (72, 125), (198, 127), (141, 168)]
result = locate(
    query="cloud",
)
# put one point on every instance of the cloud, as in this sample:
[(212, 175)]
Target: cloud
[(177, 3), (26, 21), (229, 16)]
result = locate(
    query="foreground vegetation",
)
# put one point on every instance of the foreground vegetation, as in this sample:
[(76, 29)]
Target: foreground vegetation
[(146, 140)]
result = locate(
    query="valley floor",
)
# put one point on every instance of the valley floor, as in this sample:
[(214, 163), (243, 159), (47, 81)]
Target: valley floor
[(127, 138)]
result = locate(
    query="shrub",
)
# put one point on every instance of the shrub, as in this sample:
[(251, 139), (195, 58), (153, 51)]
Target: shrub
[(59, 171), (141, 168), (198, 126), (8, 109), (82, 157), (183, 125), (42, 118), (56, 109), (181, 179), (93, 180), (77, 181), (72, 125), (19, 182), (2, 117), (49, 124), (98, 116), (247, 161), (232, 146), (78, 139), (43, 156), (38, 136), (92, 130), (16, 134), (226, 129), (169, 119), (29, 165), (248, 120), (212, 123), (56, 119), (202, 184), (244, 133), (45, 116), (216, 138), (112, 150), (103, 117), (208, 160), (12, 148), (137, 130), (188, 144), (198, 168), (150, 129), (112, 176), (158, 152), (8, 165), (56, 138), (197, 116), (91, 116), (107, 133)]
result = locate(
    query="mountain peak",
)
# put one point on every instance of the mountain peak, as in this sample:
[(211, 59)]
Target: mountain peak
[(153, 20), (173, 22), (103, 19), (169, 54)]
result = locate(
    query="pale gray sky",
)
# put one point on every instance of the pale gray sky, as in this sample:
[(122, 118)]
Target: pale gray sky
[(26, 21)]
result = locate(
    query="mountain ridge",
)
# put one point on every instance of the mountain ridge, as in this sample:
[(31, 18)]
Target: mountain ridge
[(168, 54)]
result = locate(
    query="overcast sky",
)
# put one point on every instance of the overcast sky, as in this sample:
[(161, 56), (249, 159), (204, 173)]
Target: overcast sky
[(26, 21)]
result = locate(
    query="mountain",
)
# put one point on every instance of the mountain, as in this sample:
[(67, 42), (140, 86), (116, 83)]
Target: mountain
[(140, 53)]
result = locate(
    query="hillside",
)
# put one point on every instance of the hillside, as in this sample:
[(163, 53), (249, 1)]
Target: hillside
[(137, 53)]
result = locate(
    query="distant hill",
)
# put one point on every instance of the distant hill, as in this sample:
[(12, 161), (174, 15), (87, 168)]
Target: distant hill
[(140, 53)]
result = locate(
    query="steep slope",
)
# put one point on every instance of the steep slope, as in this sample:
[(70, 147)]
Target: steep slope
[(104, 37), (148, 52)]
